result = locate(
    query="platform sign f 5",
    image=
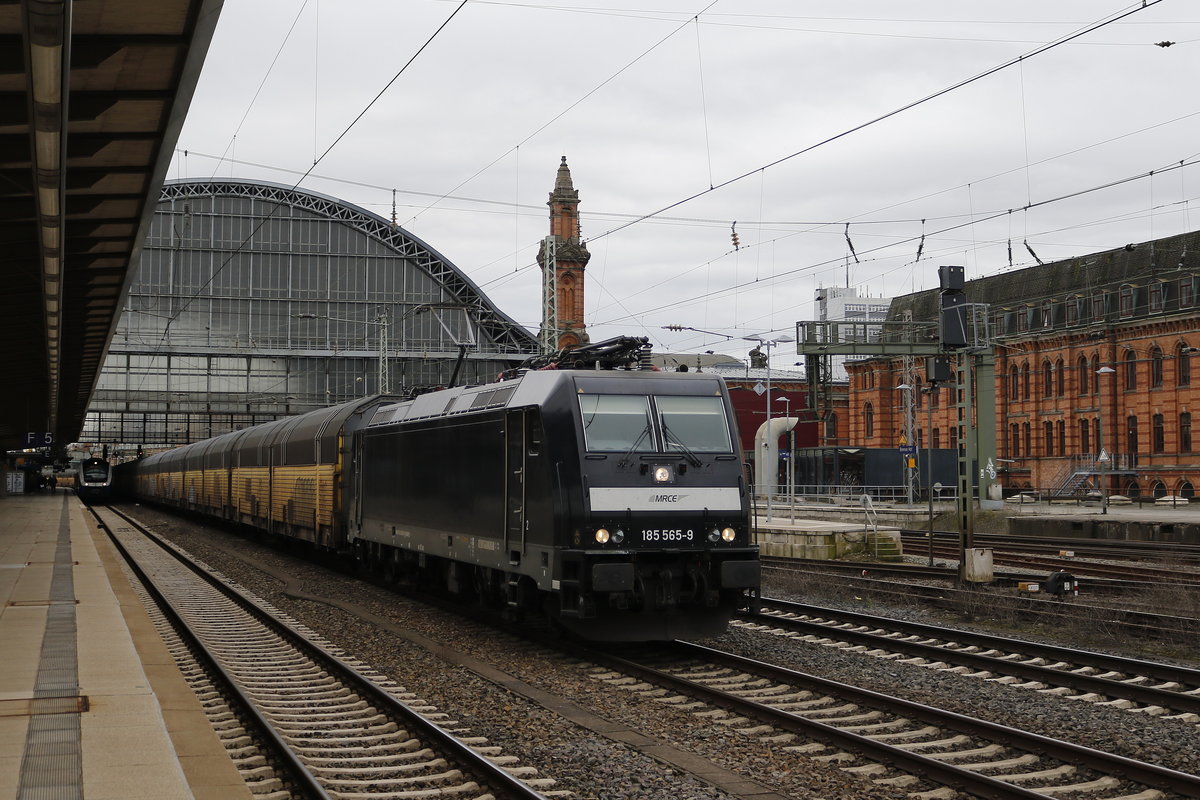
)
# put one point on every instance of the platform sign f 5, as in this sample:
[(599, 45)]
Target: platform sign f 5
[(37, 439)]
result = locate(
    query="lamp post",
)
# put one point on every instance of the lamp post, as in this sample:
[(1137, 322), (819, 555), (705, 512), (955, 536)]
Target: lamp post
[(774, 468), (930, 390), (384, 323), (908, 437), (381, 321), (1104, 458)]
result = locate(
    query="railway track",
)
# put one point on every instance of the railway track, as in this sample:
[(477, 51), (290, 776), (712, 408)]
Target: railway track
[(1137, 685), (1117, 549), (1015, 556), (982, 601), (762, 745), (322, 724), (888, 740), (941, 573)]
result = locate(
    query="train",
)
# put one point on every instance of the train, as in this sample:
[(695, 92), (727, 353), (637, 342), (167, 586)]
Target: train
[(613, 503), (94, 483)]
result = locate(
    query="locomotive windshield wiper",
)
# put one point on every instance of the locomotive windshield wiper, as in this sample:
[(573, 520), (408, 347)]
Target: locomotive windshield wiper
[(624, 462), (671, 438)]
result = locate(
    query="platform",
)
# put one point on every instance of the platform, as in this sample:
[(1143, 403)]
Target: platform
[(91, 703), (801, 537)]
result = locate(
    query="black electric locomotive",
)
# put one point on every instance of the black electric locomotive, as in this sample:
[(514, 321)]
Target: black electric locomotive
[(612, 501), (94, 483)]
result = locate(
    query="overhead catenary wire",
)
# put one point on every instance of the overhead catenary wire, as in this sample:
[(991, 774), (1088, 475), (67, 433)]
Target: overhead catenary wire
[(253, 100), (709, 294), (808, 268), (862, 126), (540, 209), (724, 20), (568, 109), (703, 99), (183, 306), (839, 222)]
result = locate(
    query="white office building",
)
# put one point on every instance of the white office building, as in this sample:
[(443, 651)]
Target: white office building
[(843, 303)]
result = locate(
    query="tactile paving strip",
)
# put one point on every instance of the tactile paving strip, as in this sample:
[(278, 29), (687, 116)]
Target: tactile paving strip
[(53, 764)]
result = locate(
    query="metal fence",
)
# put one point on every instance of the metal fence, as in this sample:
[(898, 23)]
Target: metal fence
[(1093, 497), (853, 495)]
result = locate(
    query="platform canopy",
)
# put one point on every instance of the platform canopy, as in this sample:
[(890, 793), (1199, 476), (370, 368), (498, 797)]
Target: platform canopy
[(92, 97)]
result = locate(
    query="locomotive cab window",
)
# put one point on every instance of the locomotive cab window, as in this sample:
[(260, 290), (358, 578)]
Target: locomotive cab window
[(693, 423), (95, 472), (617, 423), (663, 423)]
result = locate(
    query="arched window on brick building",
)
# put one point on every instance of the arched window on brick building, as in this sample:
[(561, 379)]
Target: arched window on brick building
[(1061, 429), (1130, 370), (1158, 434), (1047, 379), (1131, 434), (1014, 383), (1156, 367), (1183, 365), (1092, 370), (1048, 438), (1185, 432), (869, 420), (1060, 378), (1081, 374), (1014, 431), (1025, 381), (1085, 439)]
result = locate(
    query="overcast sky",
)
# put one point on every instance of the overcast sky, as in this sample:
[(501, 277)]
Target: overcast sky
[(655, 108)]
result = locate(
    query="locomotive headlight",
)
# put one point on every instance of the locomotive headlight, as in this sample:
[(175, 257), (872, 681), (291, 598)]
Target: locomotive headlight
[(714, 536), (602, 535), (729, 534), (618, 536), (662, 474)]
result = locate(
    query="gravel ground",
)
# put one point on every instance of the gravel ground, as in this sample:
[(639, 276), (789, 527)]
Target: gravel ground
[(594, 766)]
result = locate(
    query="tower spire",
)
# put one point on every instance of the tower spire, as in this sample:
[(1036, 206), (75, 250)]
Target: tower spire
[(562, 258)]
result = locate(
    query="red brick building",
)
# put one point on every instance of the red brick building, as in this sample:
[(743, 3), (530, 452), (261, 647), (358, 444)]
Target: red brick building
[(1057, 330)]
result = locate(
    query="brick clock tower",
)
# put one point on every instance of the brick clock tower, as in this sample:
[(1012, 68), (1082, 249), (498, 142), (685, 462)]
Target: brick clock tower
[(563, 257)]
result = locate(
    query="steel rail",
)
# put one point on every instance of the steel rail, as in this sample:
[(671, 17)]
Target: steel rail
[(1087, 683), (1124, 547), (940, 772), (1109, 763), (1019, 557), (1154, 626), (1095, 585), (297, 771), (489, 773)]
